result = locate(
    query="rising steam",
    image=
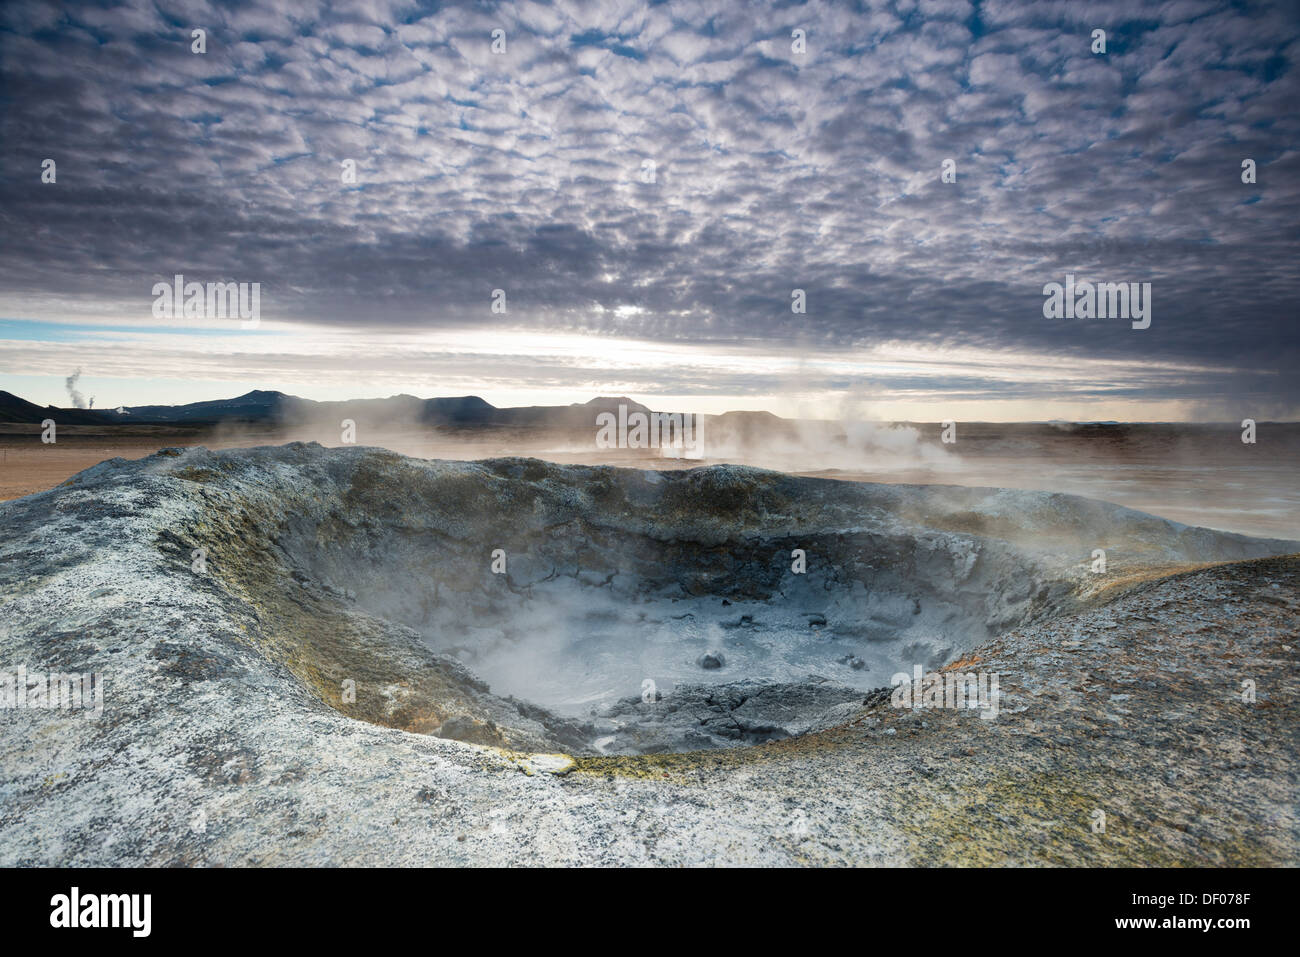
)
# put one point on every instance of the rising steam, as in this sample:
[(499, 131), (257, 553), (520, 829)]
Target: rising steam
[(70, 383)]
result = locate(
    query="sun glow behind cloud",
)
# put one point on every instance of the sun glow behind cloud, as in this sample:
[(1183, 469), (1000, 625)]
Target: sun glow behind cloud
[(515, 366)]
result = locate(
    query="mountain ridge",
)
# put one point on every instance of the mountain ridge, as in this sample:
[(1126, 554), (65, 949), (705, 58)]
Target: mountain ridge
[(262, 406)]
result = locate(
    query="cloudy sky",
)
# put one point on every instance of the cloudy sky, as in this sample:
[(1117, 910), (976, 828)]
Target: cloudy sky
[(773, 170)]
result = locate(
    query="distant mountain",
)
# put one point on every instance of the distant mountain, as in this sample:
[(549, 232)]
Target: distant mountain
[(576, 416), (17, 410), (464, 410), (277, 408), (256, 406), (750, 427)]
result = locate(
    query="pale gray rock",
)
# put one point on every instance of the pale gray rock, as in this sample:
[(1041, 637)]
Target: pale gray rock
[(281, 701)]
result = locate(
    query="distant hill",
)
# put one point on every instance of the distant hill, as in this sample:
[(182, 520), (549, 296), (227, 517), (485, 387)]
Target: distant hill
[(17, 410), (256, 406), (754, 427), (575, 416), (276, 408)]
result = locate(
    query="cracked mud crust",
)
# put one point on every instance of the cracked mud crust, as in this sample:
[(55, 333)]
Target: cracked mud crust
[(220, 743)]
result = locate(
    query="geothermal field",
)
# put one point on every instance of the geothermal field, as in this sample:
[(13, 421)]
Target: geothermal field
[(648, 434), (669, 661)]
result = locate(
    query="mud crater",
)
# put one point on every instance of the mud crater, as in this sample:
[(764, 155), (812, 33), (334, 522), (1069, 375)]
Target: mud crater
[(665, 611)]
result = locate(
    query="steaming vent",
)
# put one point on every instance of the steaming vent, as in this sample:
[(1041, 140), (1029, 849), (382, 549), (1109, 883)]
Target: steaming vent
[(534, 606)]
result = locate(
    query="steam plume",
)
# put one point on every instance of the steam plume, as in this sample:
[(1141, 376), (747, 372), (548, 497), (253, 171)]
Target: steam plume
[(78, 400)]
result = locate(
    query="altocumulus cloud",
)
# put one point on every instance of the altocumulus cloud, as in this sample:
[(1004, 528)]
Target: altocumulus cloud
[(773, 170)]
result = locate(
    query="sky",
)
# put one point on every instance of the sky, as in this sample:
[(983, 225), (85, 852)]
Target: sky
[(647, 184)]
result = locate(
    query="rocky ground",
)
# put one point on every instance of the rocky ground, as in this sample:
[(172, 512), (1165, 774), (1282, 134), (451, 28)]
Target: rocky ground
[(1146, 717)]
